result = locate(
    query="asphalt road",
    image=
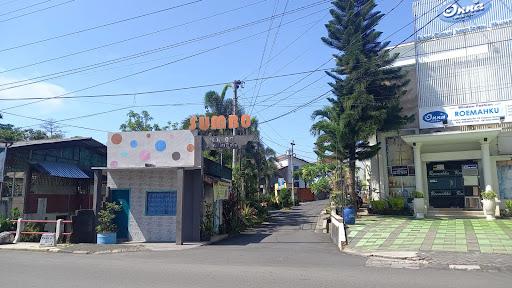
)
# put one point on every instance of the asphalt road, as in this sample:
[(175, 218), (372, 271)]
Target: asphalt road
[(286, 253)]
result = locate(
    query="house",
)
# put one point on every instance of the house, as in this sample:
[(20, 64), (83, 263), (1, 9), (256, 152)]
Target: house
[(285, 170), (460, 141), (163, 184), (51, 178)]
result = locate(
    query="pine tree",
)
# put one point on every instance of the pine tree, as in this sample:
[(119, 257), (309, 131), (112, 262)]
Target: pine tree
[(366, 88)]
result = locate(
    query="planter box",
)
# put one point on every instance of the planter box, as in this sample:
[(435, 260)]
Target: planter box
[(419, 208), (106, 238)]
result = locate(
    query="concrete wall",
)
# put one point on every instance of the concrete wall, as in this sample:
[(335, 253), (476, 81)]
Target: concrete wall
[(141, 227)]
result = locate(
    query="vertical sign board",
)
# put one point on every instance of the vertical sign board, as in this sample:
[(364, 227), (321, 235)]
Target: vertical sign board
[(3, 155), (220, 191)]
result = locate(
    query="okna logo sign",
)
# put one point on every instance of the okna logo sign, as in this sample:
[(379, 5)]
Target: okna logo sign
[(463, 10), (435, 117)]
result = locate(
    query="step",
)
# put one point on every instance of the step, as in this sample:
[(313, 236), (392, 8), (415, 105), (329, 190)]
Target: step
[(455, 213)]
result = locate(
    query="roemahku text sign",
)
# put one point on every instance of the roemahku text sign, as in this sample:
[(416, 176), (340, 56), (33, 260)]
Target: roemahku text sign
[(227, 142), (470, 114)]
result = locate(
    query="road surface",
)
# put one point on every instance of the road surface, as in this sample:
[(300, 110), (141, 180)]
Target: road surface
[(285, 253)]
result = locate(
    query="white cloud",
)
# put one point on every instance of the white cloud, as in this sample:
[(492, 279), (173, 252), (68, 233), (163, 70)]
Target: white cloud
[(41, 89)]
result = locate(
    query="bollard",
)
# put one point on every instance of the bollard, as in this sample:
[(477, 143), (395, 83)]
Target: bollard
[(19, 228), (58, 231)]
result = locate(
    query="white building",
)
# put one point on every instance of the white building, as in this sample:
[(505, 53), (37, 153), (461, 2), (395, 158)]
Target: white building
[(285, 170), (460, 68)]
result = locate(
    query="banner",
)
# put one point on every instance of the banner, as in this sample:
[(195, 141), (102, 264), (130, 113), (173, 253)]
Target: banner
[(3, 155), (470, 114)]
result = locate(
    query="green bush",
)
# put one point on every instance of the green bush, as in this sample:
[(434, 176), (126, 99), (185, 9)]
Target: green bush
[(379, 206), (106, 217), (207, 222), (6, 224), (508, 205), (32, 227), (396, 203), (249, 217), (489, 195), (418, 194), (285, 198)]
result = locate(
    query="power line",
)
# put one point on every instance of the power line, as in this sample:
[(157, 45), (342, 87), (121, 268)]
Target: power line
[(297, 108), (100, 26), (265, 45), (36, 11), (146, 52), (152, 68), (26, 7), (153, 91), (131, 38)]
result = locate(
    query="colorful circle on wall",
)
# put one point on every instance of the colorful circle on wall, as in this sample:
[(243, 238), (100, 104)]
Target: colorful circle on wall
[(134, 143), (124, 154), (114, 164), (190, 147), (148, 135), (116, 139), (144, 155), (176, 156), (160, 145)]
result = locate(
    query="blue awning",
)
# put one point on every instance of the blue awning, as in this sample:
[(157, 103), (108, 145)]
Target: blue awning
[(64, 170)]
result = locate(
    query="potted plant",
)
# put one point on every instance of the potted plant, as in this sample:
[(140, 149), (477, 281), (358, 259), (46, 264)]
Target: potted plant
[(489, 204), (419, 204), (106, 228)]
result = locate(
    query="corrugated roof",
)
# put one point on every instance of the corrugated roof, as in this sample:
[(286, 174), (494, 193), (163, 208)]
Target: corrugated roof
[(53, 141), (64, 170)]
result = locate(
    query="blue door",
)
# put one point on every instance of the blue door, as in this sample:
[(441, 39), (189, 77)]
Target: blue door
[(122, 196)]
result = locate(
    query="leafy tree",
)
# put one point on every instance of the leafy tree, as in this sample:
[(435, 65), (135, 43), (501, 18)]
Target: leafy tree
[(139, 122), (10, 133), (366, 88), (31, 134)]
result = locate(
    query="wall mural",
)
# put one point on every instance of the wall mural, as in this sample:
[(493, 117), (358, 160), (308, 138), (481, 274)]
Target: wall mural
[(151, 148)]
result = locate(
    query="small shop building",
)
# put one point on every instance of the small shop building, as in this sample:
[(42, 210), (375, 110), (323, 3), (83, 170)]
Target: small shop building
[(162, 182), (51, 178)]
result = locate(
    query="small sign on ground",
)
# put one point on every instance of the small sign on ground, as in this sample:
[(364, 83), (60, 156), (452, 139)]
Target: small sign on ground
[(47, 240)]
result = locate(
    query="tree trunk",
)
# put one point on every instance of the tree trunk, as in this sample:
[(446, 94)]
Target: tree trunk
[(351, 181)]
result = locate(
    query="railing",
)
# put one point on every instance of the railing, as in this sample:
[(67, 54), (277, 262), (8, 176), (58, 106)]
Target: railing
[(58, 228)]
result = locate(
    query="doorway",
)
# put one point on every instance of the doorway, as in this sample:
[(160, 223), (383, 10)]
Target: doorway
[(453, 184), (122, 196)]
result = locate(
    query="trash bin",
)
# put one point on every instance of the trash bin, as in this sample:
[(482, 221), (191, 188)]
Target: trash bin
[(349, 215)]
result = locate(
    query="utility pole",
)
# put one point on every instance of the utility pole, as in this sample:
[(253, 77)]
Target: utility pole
[(293, 177), (236, 84)]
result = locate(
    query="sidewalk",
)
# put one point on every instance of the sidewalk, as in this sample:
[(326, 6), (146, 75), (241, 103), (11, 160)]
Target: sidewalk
[(108, 249), (472, 244)]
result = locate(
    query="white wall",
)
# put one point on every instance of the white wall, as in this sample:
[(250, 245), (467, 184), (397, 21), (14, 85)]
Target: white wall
[(140, 181)]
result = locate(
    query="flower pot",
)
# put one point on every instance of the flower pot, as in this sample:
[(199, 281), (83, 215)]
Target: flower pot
[(419, 208), (489, 207), (106, 238)]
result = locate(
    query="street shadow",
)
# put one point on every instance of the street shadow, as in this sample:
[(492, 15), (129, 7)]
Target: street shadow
[(281, 220)]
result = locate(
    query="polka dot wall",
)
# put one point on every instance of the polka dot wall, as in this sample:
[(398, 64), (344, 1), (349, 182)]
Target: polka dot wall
[(156, 148)]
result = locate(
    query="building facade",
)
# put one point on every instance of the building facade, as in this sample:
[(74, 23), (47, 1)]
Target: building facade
[(51, 178), (460, 141), (163, 184)]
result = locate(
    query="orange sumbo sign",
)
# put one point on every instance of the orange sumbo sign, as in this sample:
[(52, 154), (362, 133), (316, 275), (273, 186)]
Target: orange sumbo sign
[(219, 122)]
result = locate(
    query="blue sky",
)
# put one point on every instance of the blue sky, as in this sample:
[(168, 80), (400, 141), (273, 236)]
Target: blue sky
[(240, 60)]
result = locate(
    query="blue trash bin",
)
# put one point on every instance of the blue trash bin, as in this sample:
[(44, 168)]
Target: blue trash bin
[(349, 215), (106, 238)]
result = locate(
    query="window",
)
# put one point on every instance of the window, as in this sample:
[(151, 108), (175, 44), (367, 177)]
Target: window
[(161, 203)]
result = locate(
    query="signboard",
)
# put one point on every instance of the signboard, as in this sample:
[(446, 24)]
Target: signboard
[(399, 170), (227, 142), (470, 114), (47, 240), (220, 191), (281, 183), (3, 155), (458, 17), (219, 122)]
